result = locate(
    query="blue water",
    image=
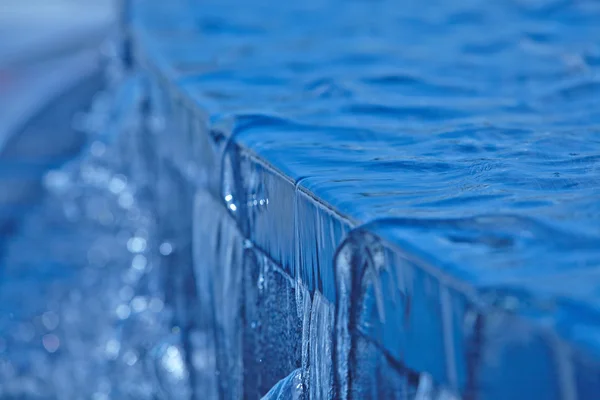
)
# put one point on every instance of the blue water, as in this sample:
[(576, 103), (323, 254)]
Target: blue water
[(337, 199), (461, 136)]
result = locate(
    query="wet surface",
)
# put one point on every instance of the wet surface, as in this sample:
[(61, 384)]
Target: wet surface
[(342, 200), (463, 134)]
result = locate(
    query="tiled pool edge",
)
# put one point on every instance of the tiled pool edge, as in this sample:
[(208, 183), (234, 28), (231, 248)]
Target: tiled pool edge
[(316, 270)]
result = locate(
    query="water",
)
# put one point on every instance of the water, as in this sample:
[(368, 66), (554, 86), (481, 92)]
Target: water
[(327, 199), (457, 141)]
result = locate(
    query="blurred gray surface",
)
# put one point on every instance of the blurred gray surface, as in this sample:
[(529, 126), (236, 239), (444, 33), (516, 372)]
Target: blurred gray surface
[(46, 47), (49, 71)]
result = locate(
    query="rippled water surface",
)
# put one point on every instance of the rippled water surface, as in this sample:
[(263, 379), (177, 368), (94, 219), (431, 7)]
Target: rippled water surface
[(317, 198), (419, 110), (429, 109)]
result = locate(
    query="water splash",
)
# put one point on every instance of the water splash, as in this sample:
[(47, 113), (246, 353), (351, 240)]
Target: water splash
[(289, 388)]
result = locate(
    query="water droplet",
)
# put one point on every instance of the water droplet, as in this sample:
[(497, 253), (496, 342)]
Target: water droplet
[(123, 311), (50, 320), (261, 281), (173, 362), (136, 244), (166, 248), (57, 181), (126, 200), (112, 349), (139, 262), (139, 304), (51, 342), (130, 358), (170, 368), (117, 184)]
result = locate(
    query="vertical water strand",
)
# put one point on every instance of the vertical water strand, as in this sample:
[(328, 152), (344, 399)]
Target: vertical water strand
[(565, 371), (216, 246), (347, 265), (230, 184), (304, 298), (446, 312), (273, 326), (321, 349), (303, 307), (252, 323), (362, 369), (231, 279), (356, 358)]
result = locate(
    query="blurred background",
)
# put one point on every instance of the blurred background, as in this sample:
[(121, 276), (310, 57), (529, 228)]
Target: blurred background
[(48, 49), (45, 45)]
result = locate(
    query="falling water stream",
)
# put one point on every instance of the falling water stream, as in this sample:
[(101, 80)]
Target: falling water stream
[(319, 200)]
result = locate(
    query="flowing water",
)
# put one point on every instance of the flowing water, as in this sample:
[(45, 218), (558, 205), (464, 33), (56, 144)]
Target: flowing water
[(323, 199)]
